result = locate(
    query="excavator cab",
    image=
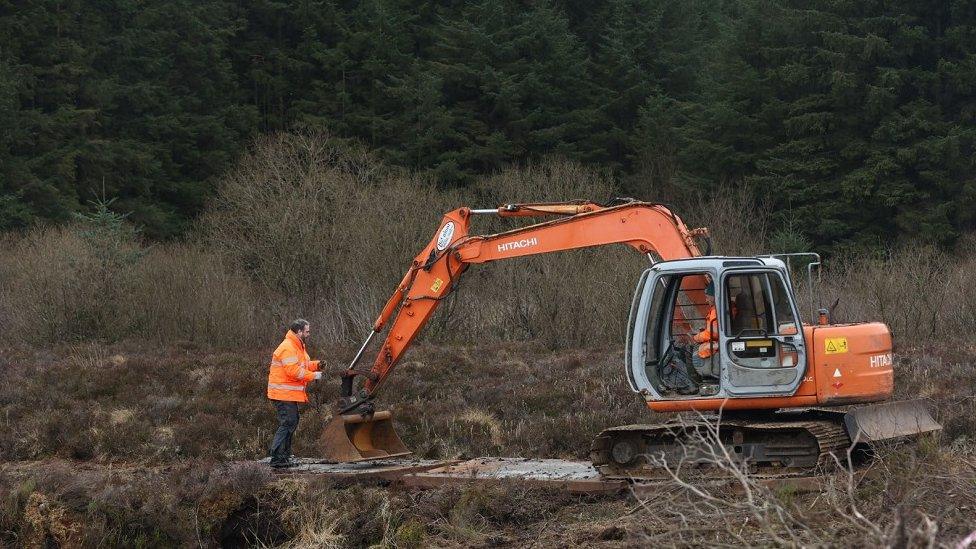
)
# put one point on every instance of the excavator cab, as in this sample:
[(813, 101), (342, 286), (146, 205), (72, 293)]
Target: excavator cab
[(744, 340)]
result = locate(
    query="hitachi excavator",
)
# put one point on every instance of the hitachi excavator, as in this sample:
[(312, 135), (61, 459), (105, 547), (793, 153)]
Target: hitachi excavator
[(768, 387)]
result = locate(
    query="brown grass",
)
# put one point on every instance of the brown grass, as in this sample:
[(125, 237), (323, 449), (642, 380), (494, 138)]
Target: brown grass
[(151, 428)]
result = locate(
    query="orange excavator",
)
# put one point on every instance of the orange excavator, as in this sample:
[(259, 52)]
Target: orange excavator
[(774, 384)]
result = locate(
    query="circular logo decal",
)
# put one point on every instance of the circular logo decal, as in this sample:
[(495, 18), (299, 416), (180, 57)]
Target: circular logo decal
[(447, 233)]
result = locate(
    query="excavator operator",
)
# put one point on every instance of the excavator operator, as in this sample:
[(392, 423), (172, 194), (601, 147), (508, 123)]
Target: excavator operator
[(696, 365), (707, 338)]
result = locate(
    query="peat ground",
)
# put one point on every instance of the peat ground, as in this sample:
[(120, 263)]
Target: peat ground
[(125, 445)]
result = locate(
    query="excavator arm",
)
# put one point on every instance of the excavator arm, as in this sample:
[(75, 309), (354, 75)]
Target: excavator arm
[(434, 273)]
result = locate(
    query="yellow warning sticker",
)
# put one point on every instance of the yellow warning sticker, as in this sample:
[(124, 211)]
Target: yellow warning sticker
[(436, 287), (835, 345)]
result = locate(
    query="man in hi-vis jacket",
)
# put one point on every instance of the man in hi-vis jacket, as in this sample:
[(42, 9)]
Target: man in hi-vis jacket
[(291, 371)]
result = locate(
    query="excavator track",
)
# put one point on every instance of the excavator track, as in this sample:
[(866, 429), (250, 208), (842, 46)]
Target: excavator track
[(772, 445)]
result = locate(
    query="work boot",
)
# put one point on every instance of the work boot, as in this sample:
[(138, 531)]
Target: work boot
[(282, 463)]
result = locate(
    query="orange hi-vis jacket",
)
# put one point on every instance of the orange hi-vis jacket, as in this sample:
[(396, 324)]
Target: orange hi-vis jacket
[(291, 370), (709, 336)]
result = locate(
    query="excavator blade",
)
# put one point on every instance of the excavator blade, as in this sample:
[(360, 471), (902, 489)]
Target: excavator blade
[(352, 437), (889, 420)]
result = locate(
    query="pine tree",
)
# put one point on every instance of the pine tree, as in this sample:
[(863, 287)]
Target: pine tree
[(857, 119), (513, 83), (841, 113), (649, 56), (135, 100)]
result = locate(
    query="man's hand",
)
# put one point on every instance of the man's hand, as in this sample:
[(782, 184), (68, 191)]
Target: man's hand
[(318, 376)]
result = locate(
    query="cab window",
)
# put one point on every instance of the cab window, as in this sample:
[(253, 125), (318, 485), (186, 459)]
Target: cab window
[(653, 339), (678, 311), (759, 304), (678, 308)]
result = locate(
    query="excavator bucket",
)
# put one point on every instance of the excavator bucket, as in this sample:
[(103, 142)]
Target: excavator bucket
[(889, 420), (350, 438)]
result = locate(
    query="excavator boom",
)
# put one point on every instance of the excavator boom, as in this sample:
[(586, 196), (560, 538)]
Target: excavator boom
[(648, 228)]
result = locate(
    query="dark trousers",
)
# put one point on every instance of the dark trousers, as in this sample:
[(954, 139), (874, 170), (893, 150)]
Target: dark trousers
[(287, 413)]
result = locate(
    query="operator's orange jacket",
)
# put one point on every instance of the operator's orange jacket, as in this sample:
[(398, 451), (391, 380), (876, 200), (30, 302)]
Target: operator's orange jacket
[(709, 336), (291, 370)]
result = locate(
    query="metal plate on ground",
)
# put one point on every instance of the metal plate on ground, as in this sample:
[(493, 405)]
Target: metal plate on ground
[(390, 469), (575, 476)]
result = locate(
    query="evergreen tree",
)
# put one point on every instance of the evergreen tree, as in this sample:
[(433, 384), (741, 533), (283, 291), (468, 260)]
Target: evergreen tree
[(514, 85), (650, 53), (856, 118), (132, 100), (839, 112)]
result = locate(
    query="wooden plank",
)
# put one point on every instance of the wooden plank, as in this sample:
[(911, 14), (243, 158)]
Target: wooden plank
[(387, 469)]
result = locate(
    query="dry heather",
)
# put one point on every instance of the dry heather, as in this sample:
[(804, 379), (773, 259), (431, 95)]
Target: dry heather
[(91, 402), (117, 446)]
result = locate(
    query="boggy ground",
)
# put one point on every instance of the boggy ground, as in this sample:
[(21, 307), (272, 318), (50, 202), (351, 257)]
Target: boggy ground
[(124, 445)]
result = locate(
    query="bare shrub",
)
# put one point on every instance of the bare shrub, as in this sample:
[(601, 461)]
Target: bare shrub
[(920, 292), (582, 297), (960, 300), (549, 180), (715, 498), (273, 215), (389, 223), (308, 226), (328, 233), (738, 221), (64, 286), (322, 227), (577, 297), (186, 293)]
